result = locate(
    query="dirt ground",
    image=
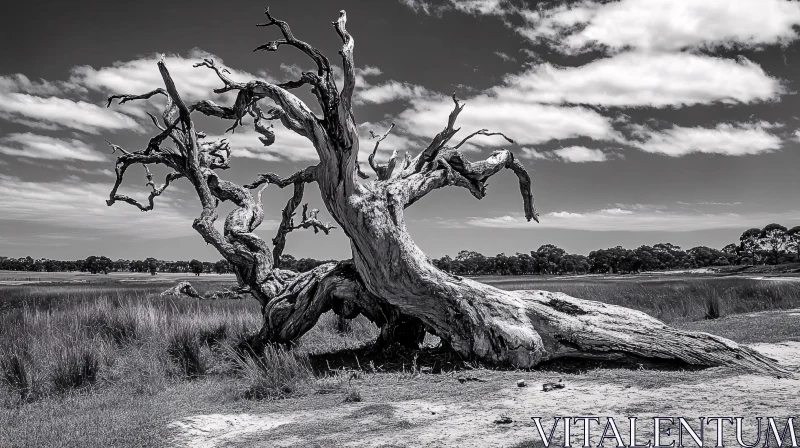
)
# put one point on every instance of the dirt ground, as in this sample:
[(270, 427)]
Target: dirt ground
[(450, 413)]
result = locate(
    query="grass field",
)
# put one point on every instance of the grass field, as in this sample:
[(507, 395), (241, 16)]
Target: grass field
[(108, 355)]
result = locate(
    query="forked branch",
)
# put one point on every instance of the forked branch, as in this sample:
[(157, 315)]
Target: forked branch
[(382, 171)]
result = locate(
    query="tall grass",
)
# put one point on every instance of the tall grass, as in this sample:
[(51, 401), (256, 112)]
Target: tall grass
[(134, 339), (674, 300), (274, 373)]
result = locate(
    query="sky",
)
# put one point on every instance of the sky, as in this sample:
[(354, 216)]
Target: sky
[(640, 121)]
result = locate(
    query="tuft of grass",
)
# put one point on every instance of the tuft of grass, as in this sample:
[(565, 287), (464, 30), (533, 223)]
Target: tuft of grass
[(17, 371), (185, 348), (352, 395), (275, 373), (77, 365), (712, 306)]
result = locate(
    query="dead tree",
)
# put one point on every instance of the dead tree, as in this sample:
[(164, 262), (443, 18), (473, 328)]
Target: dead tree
[(389, 279)]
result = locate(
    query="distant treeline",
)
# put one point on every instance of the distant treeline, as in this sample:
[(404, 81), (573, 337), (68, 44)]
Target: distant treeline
[(774, 244), (102, 264)]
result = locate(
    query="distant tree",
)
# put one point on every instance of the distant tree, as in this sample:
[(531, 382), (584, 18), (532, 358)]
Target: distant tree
[(793, 240), (733, 253), (750, 243), (773, 236), (95, 264), (196, 267), (222, 267), (552, 256), (152, 265)]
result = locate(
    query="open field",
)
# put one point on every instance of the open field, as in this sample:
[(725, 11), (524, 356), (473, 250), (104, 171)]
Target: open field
[(109, 356)]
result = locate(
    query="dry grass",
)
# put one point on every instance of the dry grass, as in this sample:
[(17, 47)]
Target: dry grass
[(120, 362), (671, 300)]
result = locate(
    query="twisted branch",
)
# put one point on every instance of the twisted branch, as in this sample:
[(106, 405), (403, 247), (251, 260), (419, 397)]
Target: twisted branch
[(382, 171)]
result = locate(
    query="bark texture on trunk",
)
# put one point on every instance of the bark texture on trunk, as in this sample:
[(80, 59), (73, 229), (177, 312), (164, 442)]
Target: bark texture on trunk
[(389, 280)]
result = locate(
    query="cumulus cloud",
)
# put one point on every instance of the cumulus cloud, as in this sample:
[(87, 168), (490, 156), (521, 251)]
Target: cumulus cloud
[(482, 7), (573, 154), (736, 139), (525, 122), (390, 91), (142, 75), (21, 83), (617, 219), (288, 145), (580, 154), (78, 204), (57, 113), (48, 148), (664, 24), (642, 79)]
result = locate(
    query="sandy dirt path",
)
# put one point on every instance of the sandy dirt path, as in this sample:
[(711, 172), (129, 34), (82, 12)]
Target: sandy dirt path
[(450, 422)]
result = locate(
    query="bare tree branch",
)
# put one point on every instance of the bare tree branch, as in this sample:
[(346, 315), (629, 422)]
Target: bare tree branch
[(441, 138), (305, 175), (384, 171), (323, 65), (348, 65), (125, 98), (482, 132), (457, 170)]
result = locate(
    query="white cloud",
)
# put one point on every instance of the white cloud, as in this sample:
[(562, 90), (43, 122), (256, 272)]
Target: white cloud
[(483, 7), (142, 75), (643, 79), (526, 123), (54, 113), (531, 153), (288, 145), (727, 139), (390, 91), (48, 148), (394, 141), (20, 83), (78, 204), (574, 154), (580, 154), (616, 219), (664, 24)]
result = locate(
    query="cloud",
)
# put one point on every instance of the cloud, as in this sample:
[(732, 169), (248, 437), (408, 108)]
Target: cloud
[(288, 145), (737, 139), (482, 7), (505, 57), (525, 122), (20, 83), (574, 154), (642, 79), (390, 91), (55, 113), (664, 25), (394, 141), (80, 205), (617, 219), (580, 154), (48, 148), (142, 75)]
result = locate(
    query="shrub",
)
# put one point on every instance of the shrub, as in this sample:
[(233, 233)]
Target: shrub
[(275, 373), (77, 364), (16, 366), (184, 347)]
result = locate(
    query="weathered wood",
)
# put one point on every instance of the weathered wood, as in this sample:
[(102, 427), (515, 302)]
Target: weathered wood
[(389, 280)]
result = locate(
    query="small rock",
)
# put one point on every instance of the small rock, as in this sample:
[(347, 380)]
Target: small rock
[(547, 387), (463, 380), (503, 420), (521, 383)]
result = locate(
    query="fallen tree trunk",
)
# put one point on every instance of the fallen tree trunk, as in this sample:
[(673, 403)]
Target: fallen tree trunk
[(390, 280)]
